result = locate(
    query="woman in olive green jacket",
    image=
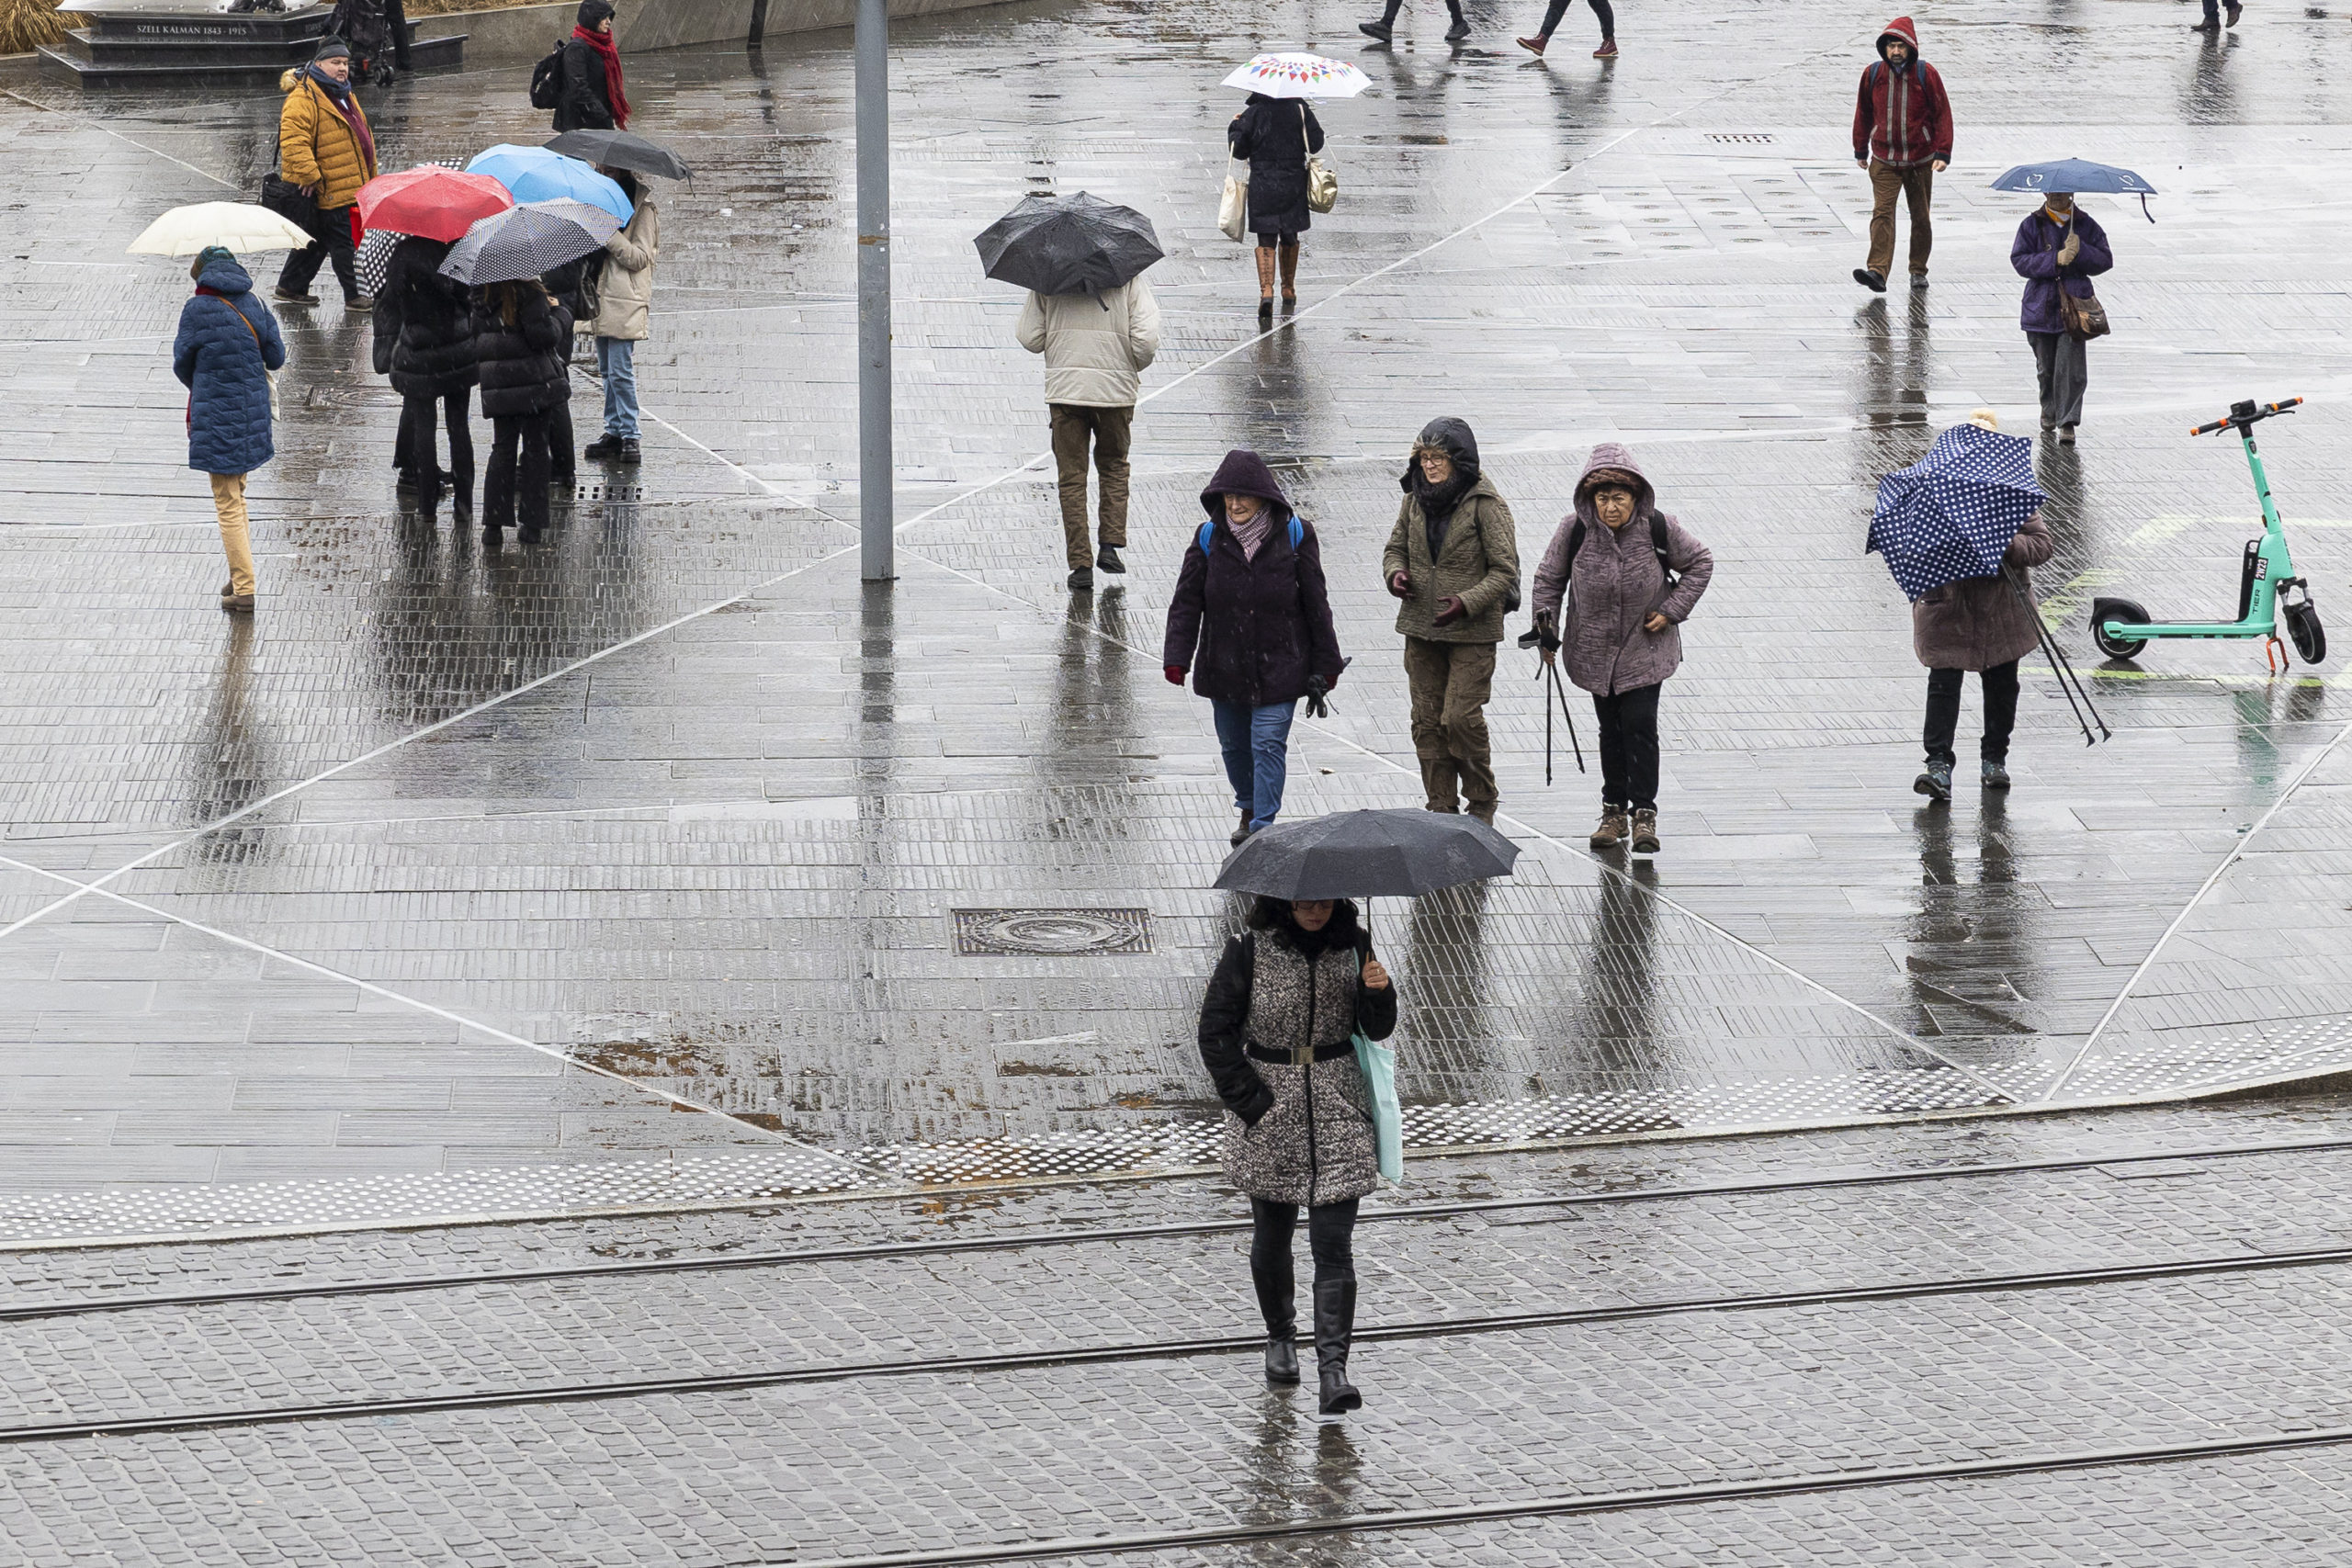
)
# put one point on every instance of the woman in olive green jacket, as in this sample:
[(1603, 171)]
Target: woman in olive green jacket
[(1454, 560)]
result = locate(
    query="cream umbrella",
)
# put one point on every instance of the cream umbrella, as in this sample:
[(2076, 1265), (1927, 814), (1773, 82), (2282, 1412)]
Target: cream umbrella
[(184, 230)]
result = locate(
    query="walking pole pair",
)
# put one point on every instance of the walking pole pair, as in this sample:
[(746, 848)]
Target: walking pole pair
[(2061, 666), (1548, 671)]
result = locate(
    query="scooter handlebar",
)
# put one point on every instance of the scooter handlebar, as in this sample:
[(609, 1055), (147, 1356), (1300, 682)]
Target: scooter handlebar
[(2234, 419)]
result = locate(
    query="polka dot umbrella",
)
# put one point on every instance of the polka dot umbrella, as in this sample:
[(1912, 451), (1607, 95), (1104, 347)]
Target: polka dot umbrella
[(1299, 76), (1953, 514)]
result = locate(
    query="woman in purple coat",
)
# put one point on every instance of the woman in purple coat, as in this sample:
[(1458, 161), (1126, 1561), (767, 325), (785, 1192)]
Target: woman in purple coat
[(2057, 248), (1250, 602)]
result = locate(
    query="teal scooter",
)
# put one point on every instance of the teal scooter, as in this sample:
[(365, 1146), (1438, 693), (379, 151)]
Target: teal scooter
[(2268, 590)]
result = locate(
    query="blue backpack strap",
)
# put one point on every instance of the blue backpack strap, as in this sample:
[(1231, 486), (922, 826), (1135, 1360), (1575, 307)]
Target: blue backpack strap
[(1297, 532), (1207, 536)]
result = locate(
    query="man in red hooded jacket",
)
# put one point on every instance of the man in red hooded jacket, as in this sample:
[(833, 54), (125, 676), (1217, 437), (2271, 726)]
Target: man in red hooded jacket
[(1903, 136)]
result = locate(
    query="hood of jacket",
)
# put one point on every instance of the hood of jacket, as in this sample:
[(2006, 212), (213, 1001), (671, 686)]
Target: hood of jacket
[(1243, 473), (1899, 30), (1606, 457), (222, 275), (1450, 436)]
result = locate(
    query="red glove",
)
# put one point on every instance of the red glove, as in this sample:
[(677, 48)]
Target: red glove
[(1449, 610), (1175, 673)]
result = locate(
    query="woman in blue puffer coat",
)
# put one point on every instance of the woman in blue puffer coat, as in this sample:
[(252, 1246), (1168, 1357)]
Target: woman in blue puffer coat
[(227, 347)]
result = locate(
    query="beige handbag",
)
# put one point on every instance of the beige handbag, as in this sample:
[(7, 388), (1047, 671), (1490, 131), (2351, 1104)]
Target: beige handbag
[(1322, 185), (1233, 208)]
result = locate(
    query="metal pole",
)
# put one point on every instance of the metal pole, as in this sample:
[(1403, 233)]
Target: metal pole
[(874, 469)]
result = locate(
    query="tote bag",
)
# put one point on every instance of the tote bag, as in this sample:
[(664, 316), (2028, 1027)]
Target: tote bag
[(1377, 1063), (1233, 208)]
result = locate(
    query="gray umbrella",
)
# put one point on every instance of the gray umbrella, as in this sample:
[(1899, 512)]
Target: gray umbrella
[(526, 240), (1068, 244), (619, 150), (1359, 854)]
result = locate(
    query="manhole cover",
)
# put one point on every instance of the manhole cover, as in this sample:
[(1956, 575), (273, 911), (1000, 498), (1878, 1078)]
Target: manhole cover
[(1748, 136), (1051, 933)]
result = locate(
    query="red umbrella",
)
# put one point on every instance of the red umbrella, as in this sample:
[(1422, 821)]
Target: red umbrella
[(430, 202)]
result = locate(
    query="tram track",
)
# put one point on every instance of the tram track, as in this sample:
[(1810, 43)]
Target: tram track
[(1018, 1240), (1082, 1355)]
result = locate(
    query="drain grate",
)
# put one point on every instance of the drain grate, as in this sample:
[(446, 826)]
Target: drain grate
[(1051, 933), (608, 492), (1739, 136)]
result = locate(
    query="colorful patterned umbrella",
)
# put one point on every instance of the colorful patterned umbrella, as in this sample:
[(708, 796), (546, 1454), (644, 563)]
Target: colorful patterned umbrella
[(1299, 76)]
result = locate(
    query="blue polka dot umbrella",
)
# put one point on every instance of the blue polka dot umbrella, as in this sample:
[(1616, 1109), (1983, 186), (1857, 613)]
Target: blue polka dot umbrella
[(1953, 514)]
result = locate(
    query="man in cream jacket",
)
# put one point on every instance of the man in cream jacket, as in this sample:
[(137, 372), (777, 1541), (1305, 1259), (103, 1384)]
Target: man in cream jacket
[(1096, 347)]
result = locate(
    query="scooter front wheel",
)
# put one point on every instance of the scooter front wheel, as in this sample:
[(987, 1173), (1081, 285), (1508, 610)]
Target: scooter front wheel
[(2108, 610), (2305, 632)]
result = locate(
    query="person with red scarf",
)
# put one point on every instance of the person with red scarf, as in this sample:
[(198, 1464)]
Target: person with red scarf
[(592, 98)]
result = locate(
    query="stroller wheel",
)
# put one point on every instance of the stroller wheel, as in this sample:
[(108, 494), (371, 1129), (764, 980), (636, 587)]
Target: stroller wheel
[(2106, 610), (2305, 632)]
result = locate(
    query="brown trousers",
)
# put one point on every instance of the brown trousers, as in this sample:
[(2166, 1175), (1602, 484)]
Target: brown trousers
[(1915, 184), (1450, 682), (1074, 426)]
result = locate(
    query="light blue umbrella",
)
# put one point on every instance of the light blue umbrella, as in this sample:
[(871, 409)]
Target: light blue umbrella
[(533, 173), (1953, 514), (2078, 176)]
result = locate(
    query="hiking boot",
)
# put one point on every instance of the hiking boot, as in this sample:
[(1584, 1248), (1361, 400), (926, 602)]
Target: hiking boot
[(632, 453), (358, 301), (2205, 26), (2233, 12), (1607, 50), (1645, 831), (1456, 33), (1082, 578), (1107, 558), (1241, 832), (1874, 281), (1535, 46), (1995, 775), (1614, 825), (1935, 784), (1483, 810), (237, 604), (604, 445), (2066, 435), (1375, 30), (1919, 280), (286, 295)]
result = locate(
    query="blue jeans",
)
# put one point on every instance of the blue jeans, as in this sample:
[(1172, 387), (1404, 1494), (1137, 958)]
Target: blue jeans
[(1257, 755), (617, 363)]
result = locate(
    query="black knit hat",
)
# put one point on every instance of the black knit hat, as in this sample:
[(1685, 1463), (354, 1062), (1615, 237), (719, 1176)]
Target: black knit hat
[(595, 11), (333, 49)]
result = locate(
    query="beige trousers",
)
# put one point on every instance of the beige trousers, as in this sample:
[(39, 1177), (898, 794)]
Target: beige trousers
[(236, 540)]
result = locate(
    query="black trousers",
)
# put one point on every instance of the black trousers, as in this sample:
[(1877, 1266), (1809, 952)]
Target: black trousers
[(2000, 685), (1388, 17), (1330, 1238), (418, 416), (1559, 9), (330, 241), (1629, 749), (518, 473), (563, 457)]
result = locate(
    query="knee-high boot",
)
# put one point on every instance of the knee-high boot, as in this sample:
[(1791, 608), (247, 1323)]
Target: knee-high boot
[(1335, 1323), (1277, 1302), (1288, 255)]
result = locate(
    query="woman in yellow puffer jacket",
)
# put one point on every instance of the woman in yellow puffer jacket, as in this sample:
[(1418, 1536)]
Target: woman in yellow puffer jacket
[(324, 145)]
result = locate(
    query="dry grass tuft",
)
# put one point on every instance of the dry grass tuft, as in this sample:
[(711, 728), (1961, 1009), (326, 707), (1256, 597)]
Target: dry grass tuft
[(26, 23)]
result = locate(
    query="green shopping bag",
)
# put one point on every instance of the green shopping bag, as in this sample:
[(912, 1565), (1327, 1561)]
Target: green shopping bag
[(1377, 1063)]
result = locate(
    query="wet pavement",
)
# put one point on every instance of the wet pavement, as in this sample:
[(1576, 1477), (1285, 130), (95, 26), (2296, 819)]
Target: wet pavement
[(473, 881)]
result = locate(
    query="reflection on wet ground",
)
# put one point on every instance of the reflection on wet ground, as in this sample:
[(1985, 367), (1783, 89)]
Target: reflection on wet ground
[(676, 800)]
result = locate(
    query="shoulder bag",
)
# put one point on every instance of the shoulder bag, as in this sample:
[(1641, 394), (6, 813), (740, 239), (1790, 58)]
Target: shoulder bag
[(2081, 315), (1322, 185), (1377, 1064), (265, 370), (1233, 206)]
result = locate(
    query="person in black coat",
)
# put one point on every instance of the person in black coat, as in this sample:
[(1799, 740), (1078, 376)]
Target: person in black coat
[(590, 96), (1249, 601), (519, 339), (1276, 136), (429, 317)]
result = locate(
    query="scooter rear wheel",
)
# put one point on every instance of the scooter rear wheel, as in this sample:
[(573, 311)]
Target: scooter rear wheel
[(2108, 610), (2305, 632)]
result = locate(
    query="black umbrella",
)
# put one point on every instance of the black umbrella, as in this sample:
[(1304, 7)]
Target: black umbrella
[(1360, 854), (526, 240), (619, 150), (1068, 244)]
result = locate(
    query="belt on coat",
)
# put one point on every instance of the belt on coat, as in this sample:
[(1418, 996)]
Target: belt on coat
[(1322, 1053)]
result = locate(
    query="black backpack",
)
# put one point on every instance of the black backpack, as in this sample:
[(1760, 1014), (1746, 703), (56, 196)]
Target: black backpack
[(546, 79), (1657, 547)]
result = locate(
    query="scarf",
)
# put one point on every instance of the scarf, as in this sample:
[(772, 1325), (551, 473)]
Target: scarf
[(610, 53), (1438, 503), (339, 95), (1252, 534)]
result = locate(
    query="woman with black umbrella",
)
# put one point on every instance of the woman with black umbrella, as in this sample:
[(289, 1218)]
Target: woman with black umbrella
[(1276, 136), (1275, 1033)]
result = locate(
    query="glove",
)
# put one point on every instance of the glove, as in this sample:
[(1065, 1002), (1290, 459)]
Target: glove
[(1400, 584), (1449, 610), (1332, 682), (2070, 250), (1175, 673)]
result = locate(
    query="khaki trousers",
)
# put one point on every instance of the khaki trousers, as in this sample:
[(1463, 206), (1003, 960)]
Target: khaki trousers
[(236, 540), (1450, 682), (1075, 425), (1915, 184)]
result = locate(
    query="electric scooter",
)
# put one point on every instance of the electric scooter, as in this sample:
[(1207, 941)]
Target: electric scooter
[(2266, 579)]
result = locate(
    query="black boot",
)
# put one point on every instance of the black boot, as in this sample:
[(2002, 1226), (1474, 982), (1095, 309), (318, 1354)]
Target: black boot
[(1384, 29), (1460, 28), (1278, 1305), (1335, 1322)]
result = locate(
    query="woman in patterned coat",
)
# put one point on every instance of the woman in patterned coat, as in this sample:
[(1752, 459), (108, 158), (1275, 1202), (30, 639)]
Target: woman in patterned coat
[(1287, 997)]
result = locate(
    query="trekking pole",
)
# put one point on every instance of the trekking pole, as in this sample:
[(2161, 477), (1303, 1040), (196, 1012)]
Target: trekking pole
[(1547, 723), (2068, 665), (2058, 665), (1561, 692)]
